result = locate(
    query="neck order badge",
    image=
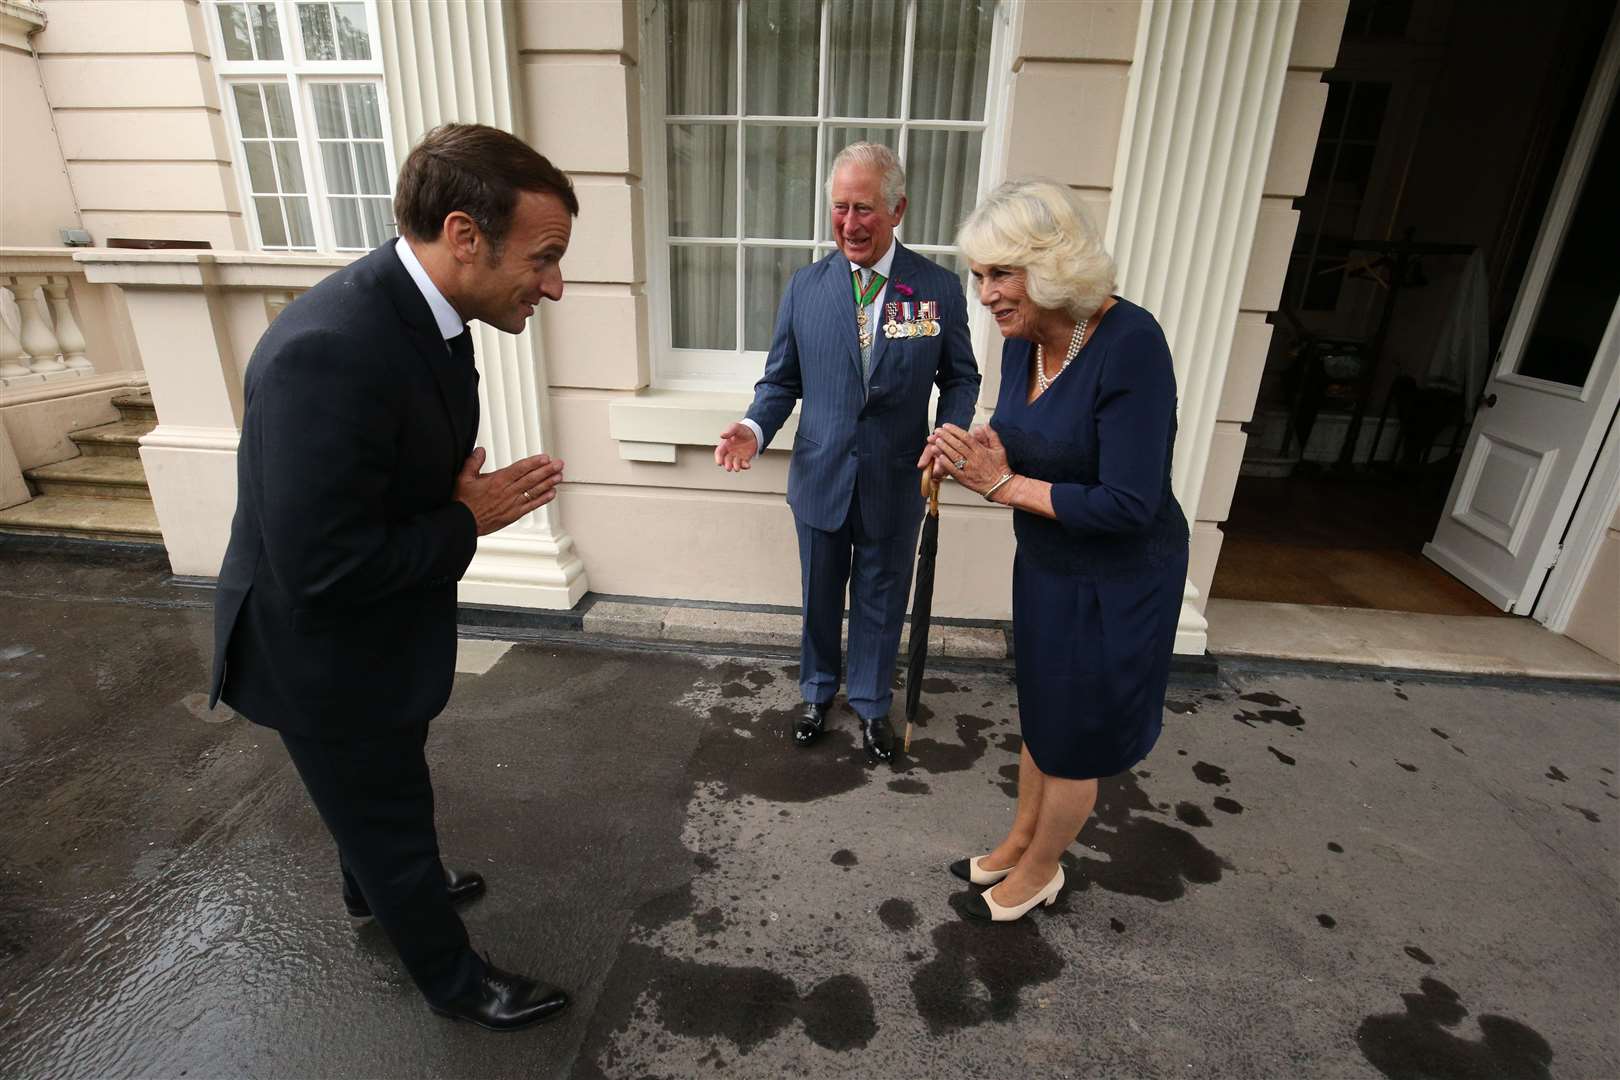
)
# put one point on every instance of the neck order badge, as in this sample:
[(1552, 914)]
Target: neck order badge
[(865, 298)]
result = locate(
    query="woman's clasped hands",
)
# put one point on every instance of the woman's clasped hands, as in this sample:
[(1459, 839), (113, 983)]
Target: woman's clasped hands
[(975, 459)]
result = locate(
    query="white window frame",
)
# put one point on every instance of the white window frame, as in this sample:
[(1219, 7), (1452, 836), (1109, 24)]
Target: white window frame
[(738, 369), (298, 73)]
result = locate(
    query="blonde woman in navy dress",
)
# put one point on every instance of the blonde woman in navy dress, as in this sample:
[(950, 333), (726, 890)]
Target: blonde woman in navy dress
[(1079, 448)]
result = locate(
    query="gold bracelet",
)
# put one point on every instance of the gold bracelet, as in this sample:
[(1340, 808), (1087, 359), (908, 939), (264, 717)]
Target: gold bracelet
[(993, 487)]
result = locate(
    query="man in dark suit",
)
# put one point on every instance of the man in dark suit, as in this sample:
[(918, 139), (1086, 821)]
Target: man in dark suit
[(861, 339), (360, 500)]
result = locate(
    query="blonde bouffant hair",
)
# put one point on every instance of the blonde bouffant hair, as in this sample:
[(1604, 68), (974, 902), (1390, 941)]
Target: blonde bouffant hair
[(1040, 227)]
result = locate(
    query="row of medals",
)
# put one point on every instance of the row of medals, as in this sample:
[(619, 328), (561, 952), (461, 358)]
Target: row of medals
[(891, 330)]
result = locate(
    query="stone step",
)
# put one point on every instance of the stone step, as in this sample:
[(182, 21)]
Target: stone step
[(84, 517), (122, 438), (98, 476), (136, 407)]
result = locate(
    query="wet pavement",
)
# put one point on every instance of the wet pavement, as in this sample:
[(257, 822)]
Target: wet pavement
[(1310, 876)]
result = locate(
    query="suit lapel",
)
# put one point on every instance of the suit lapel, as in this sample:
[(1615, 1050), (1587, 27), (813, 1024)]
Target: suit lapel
[(448, 374)]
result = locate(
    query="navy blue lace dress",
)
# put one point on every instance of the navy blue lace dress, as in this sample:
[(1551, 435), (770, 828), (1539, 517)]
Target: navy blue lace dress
[(1097, 592)]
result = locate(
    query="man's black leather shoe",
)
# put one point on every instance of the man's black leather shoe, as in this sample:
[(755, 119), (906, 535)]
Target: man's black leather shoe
[(463, 886), (810, 724), (504, 1001), (877, 740)]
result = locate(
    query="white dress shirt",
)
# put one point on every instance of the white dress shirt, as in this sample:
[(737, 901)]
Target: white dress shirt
[(449, 322)]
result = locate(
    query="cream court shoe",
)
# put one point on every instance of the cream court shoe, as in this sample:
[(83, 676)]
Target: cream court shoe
[(970, 871), (984, 906)]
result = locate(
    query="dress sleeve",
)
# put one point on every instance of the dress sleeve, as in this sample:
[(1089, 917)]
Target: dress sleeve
[(1135, 411)]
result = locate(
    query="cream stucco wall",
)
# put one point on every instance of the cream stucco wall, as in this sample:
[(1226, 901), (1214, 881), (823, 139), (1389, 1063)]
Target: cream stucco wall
[(35, 199), (137, 107)]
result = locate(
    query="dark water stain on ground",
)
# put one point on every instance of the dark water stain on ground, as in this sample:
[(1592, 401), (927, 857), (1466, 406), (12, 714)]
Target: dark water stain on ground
[(748, 1005), (936, 685), (1555, 773), (1263, 697), (1335, 847), (1010, 742), (710, 923), (1002, 959), (1192, 814), (1146, 857), (1419, 955), (908, 786), (737, 690), (845, 858), (1327, 921), (1415, 1045), (769, 767), (1116, 926), (1182, 708), (1211, 774), (935, 757), (1440, 733), (1280, 756), (1589, 815), (1404, 765), (1286, 717), (1228, 806), (898, 914), (704, 862), (761, 678), (1009, 780)]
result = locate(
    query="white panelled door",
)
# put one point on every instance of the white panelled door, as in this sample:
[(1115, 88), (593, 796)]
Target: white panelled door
[(1557, 378)]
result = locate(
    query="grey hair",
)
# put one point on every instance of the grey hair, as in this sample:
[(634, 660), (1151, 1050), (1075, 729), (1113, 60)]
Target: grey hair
[(877, 158), (1040, 227)]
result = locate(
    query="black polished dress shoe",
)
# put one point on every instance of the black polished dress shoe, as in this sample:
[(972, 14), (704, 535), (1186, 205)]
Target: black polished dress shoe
[(810, 724), (876, 739), (463, 886), (504, 1001)]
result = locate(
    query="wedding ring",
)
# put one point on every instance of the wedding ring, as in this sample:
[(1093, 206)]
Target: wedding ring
[(960, 463), (526, 495)]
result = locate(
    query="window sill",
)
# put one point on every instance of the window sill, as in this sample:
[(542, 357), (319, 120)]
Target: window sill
[(649, 426)]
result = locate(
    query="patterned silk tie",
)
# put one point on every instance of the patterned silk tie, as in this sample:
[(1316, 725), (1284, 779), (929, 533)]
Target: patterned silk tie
[(868, 285)]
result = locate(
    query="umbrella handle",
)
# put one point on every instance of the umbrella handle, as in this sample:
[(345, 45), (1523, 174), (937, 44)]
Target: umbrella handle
[(930, 491)]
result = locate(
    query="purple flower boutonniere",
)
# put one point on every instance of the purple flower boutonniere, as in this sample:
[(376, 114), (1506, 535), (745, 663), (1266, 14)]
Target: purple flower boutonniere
[(904, 290)]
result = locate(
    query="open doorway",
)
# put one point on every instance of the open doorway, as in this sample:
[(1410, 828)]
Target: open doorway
[(1441, 169)]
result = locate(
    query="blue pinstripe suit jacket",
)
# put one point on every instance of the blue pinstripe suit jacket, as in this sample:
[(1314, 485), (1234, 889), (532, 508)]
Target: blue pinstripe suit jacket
[(855, 439)]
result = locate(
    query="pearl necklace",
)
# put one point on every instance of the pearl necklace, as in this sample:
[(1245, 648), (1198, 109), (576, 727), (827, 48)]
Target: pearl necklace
[(1076, 341)]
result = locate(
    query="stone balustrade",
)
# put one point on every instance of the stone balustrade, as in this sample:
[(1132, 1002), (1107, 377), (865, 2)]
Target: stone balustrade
[(40, 335)]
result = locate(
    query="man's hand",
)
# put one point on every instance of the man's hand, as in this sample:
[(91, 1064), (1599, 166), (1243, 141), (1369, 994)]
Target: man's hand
[(736, 449), (499, 498), (931, 459)]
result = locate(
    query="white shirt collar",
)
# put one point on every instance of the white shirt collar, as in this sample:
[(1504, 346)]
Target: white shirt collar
[(450, 324), (882, 265)]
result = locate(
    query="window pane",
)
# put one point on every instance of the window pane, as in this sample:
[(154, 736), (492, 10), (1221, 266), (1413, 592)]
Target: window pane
[(371, 168), (379, 216), (266, 31), (951, 65), (278, 102), (866, 43), (703, 297), (765, 280), (346, 216), (354, 42), (271, 229), (339, 170), (365, 113), (249, 110), (233, 27), (784, 49), (261, 174), (702, 180), (315, 20), (839, 137), (780, 176), (299, 222), (702, 59), (291, 166), (329, 110), (1585, 282), (942, 184)]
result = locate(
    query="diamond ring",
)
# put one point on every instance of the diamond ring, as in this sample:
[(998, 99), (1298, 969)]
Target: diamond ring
[(960, 463)]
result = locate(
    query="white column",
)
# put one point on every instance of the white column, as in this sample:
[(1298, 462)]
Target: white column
[(454, 60), (1200, 116), (38, 339)]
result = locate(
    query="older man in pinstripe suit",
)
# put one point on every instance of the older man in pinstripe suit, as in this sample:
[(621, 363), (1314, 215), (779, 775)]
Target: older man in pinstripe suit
[(861, 338)]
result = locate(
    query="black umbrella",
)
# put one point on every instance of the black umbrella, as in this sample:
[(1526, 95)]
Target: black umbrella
[(922, 601)]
